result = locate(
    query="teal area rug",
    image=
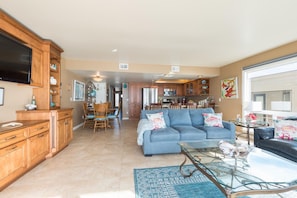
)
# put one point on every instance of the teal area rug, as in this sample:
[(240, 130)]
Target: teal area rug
[(167, 182)]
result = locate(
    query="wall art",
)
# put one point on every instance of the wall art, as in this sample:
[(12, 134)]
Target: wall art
[(1, 96), (229, 88), (78, 91)]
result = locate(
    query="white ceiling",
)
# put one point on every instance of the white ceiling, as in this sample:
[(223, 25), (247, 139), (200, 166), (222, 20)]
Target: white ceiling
[(208, 33)]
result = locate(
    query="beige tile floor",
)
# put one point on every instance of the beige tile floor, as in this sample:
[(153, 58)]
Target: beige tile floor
[(93, 165)]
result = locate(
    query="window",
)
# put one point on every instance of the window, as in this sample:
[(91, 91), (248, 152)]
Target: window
[(273, 84)]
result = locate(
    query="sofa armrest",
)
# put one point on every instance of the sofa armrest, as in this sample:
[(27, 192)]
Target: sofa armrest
[(263, 133), (229, 125)]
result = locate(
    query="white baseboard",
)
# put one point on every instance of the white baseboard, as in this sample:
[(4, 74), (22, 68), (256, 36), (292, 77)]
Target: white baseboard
[(77, 126)]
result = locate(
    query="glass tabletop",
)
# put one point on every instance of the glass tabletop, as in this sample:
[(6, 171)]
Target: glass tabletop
[(245, 169), (250, 124)]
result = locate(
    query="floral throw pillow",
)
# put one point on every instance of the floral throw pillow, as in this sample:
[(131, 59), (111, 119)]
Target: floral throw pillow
[(157, 119), (285, 129), (213, 119)]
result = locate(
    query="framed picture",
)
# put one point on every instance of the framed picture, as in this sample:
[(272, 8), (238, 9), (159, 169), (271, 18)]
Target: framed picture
[(78, 91), (1, 96), (229, 88)]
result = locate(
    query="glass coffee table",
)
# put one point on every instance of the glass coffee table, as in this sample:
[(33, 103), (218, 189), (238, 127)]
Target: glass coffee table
[(252, 172)]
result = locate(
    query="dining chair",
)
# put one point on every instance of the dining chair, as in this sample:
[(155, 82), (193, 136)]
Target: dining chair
[(191, 105), (175, 106), (100, 113), (154, 106), (88, 117), (115, 116)]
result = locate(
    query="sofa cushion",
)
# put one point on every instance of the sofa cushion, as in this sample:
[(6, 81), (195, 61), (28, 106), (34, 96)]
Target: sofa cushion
[(165, 135), (213, 119), (285, 148), (179, 117), (216, 132), (190, 133), (165, 114), (197, 117), (157, 119)]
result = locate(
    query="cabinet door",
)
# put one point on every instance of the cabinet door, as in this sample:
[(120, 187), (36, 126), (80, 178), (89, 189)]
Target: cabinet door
[(180, 90), (160, 90), (37, 68), (13, 162), (38, 147), (203, 86), (61, 134), (68, 129)]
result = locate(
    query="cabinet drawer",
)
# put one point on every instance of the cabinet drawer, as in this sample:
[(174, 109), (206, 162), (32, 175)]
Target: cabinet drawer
[(9, 138), (39, 128), (64, 114)]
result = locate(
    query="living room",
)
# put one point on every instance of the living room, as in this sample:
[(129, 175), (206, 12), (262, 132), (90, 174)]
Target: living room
[(232, 68)]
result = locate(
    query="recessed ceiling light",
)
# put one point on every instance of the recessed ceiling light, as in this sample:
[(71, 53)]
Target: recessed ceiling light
[(114, 50)]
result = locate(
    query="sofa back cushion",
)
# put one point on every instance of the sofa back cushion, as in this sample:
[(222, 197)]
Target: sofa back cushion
[(197, 117), (179, 117), (165, 114)]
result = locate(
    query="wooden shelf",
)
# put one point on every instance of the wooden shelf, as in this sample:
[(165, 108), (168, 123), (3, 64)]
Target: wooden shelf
[(52, 70)]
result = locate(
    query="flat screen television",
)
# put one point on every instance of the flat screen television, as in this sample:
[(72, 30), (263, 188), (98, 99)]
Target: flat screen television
[(15, 60)]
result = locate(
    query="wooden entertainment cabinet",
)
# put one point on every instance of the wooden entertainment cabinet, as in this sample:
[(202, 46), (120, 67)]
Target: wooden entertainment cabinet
[(46, 63), (22, 148)]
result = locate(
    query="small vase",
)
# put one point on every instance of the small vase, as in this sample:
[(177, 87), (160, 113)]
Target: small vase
[(248, 121)]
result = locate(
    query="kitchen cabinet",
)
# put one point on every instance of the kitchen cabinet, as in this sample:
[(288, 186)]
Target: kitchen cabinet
[(180, 90), (38, 148), (190, 88), (65, 135), (49, 96), (203, 86), (197, 87), (63, 128), (60, 126), (21, 148), (13, 160), (37, 69), (38, 143)]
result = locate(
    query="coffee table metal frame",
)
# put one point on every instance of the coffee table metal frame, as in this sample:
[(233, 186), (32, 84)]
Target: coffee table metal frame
[(216, 167), (248, 126)]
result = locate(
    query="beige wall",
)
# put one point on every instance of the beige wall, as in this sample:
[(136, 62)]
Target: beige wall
[(232, 107), (16, 96), (67, 78)]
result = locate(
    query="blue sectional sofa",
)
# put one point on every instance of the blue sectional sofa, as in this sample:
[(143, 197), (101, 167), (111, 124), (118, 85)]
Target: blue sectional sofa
[(182, 125)]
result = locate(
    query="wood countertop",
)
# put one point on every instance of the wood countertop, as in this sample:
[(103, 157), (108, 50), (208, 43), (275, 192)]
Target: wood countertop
[(25, 123)]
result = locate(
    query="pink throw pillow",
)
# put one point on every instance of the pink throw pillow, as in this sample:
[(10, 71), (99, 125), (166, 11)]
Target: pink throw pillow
[(157, 119), (286, 129), (213, 119)]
